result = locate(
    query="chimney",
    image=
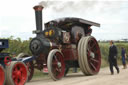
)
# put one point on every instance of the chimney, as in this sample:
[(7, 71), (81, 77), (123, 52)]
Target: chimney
[(38, 16)]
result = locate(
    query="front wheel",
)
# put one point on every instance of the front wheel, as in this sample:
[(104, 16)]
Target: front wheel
[(30, 65), (56, 64), (2, 75), (16, 73)]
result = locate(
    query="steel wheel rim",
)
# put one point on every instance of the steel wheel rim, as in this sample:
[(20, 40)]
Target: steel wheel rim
[(83, 58), (93, 62), (2, 75), (56, 69), (19, 74)]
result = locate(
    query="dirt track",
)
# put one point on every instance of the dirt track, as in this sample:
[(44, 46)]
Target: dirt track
[(103, 78)]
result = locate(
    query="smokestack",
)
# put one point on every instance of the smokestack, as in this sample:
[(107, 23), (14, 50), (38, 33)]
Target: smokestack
[(38, 16)]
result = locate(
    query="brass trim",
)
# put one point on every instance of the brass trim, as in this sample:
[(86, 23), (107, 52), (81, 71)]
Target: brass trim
[(50, 44)]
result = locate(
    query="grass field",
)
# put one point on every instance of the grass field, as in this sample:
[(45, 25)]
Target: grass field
[(104, 47)]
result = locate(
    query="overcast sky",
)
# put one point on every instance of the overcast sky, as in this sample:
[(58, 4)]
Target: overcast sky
[(17, 17)]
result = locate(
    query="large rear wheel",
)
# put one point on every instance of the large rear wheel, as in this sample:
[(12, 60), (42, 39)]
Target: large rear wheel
[(16, 73), (2, 75), (89, 55), (30, 65), (56, 64)]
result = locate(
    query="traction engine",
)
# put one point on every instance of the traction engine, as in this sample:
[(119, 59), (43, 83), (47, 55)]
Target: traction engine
[(64, 43)]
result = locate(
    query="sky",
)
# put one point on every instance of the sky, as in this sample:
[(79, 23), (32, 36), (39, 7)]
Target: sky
[(17, 17)]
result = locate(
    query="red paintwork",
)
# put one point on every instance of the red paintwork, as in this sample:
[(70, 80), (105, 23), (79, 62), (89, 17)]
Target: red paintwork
[(7, 60), (70, 54), (30, 68), (19, 74), (45, 70), (38, 8), (93, 47), (59, 71), (2, 76)]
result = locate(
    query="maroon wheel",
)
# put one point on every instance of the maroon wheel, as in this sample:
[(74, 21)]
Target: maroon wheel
[(2, 75), (16, 73), (30, 65), (93, 55), (90, 55), (56, 64)]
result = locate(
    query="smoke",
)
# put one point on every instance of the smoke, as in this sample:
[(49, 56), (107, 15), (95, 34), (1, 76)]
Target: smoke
[(87, 9), (111, 14), (60, 6), (84, 5)]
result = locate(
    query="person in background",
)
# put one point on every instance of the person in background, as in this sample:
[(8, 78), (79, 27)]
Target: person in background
[(112, 58), (123, 56)]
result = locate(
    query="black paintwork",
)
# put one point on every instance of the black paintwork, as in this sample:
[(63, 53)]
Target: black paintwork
[(3, 44)]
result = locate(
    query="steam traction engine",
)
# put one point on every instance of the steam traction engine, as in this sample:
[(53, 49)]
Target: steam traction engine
[(64, 43), (12, 71)]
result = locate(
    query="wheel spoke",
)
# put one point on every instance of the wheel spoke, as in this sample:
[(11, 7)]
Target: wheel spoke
[(93, 66), (30, 67), (55, 58), (15, 69), (88, 51), (93, 46), (89, 44), (90, 60), (56, 67), (14, 76), (16, 81), (14, 72), (94, 60), (18, 73), (54, 63), (97, 51), (20, 69)]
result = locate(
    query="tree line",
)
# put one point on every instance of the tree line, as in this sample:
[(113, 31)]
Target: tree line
[(17, 46)]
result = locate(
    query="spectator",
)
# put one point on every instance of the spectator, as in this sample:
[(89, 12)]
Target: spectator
[(123, 55), (113, 57)]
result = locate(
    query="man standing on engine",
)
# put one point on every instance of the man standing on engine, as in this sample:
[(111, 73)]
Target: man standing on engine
[(112, 58)]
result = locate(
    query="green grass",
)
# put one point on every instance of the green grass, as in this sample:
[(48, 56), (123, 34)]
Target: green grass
[(39, 74)]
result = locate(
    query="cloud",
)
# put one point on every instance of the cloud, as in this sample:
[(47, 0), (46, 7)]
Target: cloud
[(0, 34), (96, 10), (19, 18)]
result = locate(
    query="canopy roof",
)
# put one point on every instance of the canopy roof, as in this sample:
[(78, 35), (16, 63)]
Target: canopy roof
[(68, 22)]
